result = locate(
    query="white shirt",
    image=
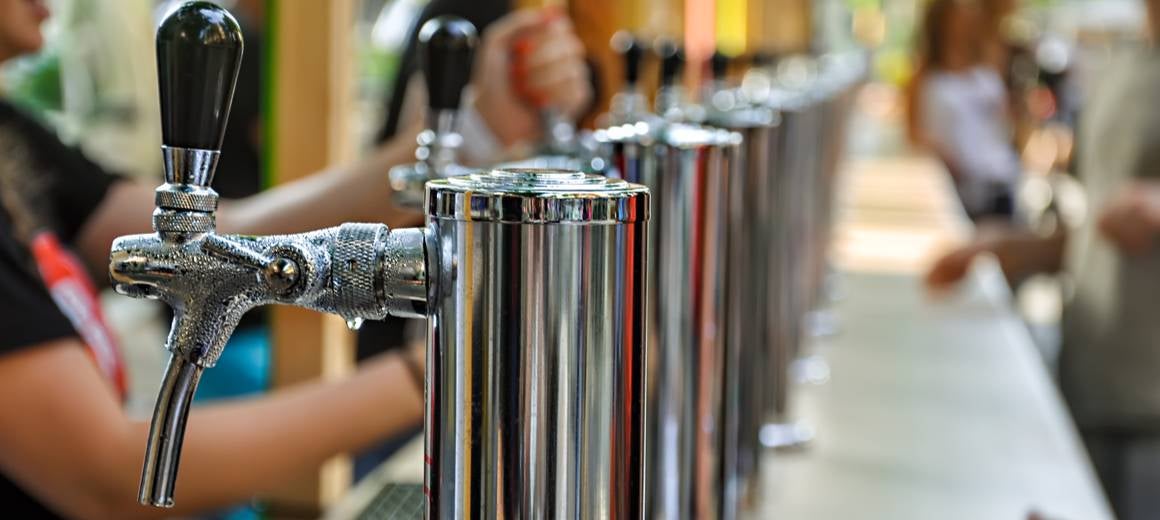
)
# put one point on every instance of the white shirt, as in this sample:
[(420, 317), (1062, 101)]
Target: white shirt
[(964, 116)]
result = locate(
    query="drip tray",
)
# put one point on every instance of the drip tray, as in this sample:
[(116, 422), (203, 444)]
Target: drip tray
[(395, 502)]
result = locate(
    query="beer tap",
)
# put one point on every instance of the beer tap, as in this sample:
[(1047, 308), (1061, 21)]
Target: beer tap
[(210, 280), (532, 282), (446, 50), (670, 102), (630, 102), (716, 94)]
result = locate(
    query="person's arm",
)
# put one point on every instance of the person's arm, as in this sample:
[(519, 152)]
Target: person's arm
[(360, 191), (66, 440), (1025, 253), (1131, 218), (1020, 254), (354, 192)]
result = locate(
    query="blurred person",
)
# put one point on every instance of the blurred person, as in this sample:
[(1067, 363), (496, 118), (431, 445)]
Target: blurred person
[(958, 109), (996, 46), (1110, 356), (554, 71), (67, 448)]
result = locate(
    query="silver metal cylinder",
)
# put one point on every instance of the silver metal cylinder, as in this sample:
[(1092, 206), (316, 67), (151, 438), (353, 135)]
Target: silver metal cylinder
[(687, 169), (536, 346), (793, 191), (167, 431), (795, 153), (750, 281)]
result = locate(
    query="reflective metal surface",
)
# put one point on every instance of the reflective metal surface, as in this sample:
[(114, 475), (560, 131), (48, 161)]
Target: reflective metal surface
[(536, 355), (795, 156), (809, 151), (687, 171), (533, 283), (211, 280), (751, 282), (190, 166), (435, 158), (167, 431)]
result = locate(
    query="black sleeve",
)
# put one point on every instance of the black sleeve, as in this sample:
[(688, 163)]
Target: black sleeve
[(75, 185), (77, 188), (28, 316)]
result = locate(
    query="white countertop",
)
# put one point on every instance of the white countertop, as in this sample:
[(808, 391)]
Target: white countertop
[(937, 406)]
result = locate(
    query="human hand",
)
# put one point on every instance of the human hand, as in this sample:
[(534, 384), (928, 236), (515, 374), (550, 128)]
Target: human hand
[(549, 71), (528, 61), (1131, 218), (951, 268)]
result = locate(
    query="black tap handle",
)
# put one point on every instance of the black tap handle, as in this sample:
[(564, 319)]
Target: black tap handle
[(630, 49), (763, 59), (199, 51), (719, 64), (672, 62), (447, 48)]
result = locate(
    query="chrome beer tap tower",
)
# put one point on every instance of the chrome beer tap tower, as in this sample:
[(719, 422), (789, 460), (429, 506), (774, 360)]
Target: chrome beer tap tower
[(688, 169), (532, 281), (754, 291), (781, 186)]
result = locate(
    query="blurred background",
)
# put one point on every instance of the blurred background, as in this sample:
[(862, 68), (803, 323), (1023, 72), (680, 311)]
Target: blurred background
[(967, 138)]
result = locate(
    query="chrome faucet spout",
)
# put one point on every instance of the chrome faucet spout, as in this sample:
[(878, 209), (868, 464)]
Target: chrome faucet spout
[(167, 431), (357, 271)]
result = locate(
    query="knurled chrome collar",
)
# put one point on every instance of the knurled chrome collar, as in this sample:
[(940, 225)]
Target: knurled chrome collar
[(537, 196)]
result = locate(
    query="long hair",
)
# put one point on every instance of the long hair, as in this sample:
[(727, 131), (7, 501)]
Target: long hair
[(930, 55)]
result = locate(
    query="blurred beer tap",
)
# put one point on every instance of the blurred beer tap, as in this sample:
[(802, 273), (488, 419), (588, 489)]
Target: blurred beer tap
[(446, 50), (671, 102), (630, 103), (758, 80)]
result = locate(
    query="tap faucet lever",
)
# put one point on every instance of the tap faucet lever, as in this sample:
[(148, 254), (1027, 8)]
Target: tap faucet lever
[(672, 62), (719, 65), (446, 49), (629, 104), (631, 50), (199, 52), (670, 100)]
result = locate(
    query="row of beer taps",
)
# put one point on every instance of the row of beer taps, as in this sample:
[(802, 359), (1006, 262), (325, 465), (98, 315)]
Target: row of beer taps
[(610, 324)]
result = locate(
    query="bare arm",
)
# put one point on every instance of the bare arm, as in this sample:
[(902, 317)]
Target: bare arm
[(66, 440), (1024, 254), (355, 192), (1020, 253), (360, 191)]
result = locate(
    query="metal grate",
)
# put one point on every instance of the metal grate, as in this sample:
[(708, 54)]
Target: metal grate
[(396, 502)]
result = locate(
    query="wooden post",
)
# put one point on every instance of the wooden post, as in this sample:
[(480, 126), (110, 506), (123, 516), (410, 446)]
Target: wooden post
[(308, 127)]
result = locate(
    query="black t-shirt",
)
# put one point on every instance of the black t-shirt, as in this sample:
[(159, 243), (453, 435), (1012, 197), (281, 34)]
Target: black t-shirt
[(44, 186)]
